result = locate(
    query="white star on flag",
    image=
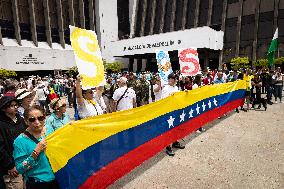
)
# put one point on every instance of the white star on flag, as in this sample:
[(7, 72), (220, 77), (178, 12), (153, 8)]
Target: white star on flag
[(190, 113), (171, 122), (215, 102), (197, 109), (209, 104), (203, 106), (182, 116)]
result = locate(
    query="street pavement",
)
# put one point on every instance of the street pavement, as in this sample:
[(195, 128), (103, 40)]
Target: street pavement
[(242, 150)]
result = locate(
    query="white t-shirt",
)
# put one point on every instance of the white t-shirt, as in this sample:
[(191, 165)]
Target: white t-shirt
[(195, 86), (158, 95), (101, 102), (89, 110), (127, 101), (168, 90), (41, 94)]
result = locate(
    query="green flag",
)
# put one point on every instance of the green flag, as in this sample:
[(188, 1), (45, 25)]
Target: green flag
[(272, 48)]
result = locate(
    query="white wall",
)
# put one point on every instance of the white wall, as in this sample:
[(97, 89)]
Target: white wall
[(107, 26)]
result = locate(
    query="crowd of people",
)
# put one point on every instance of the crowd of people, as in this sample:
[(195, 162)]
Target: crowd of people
[(34, 107)]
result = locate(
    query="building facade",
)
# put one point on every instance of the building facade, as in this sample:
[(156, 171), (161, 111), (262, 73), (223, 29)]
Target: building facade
[(34, 34)]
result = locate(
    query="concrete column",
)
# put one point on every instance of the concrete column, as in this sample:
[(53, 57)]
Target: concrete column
[(256, 18), (60, 22), (144, 65), (184, 16), (196, 13), (133, 16), (139, 65), (173, 16), (92, 15), (130, 65), (239, 25), (223, 27), (71, 12), (82, 14), (153, 14), (163, 11), (16, 21), (1, 41), (47, 22), (135, 65), (144, 13), (33, 21), (210, 9)]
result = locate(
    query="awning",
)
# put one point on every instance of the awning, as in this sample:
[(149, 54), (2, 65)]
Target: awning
[(202, 37)]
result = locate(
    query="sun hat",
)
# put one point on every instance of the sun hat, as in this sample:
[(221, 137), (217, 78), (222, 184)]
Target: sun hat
[(57, 103), (22, 93), (5, 100)]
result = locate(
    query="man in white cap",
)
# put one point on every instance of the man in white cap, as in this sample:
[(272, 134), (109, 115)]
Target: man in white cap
[(124, 97)]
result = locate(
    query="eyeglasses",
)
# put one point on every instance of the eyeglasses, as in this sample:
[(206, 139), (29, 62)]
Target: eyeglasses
[(33, 119)]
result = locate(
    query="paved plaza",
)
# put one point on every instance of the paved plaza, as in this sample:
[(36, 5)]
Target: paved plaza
[(244, 150)]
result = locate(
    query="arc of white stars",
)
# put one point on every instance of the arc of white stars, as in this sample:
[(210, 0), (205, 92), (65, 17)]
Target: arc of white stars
[(190, 113), (171, 121), (197, 109), (182, 116), (203, 106), (209, 104), (215, 102)]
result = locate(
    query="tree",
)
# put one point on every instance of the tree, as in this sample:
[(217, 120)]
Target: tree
[(279, 60), (7, 73), (114, 66), (239, 62), (73, 71), (260, 63)]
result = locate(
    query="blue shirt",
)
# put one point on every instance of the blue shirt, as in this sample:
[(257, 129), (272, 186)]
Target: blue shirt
[(56, 122), (40, 168), (218, 81)]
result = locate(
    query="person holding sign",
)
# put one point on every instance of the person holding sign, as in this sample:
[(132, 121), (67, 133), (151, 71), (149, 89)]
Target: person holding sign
[(87, 106)]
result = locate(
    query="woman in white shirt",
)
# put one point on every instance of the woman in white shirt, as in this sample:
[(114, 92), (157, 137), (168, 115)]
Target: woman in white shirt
[(87, 105)]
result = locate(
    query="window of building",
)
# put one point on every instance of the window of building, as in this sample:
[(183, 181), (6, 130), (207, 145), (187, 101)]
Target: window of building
[(217, 11), (168, 16), (190, 14), (265, 33), (158, 16), (123, 18), (6, 19), (139, 18), (24, 19), (148, 17), (232, 1), (281, 31), (87, 14), (66, 21), (53, 21), (203, 13), (40, 20), (76, 13), (179, 14), (230, 39), (246, 40)]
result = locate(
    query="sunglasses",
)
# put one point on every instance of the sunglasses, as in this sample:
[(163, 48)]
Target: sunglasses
[(33, 119)]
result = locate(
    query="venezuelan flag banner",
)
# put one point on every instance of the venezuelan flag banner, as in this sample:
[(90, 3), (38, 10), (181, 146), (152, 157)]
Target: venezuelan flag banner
[(95, 152)]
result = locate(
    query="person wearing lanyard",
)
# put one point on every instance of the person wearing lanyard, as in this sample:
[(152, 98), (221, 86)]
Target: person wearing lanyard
[(87, 106), (29, 156), (59, 117)]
